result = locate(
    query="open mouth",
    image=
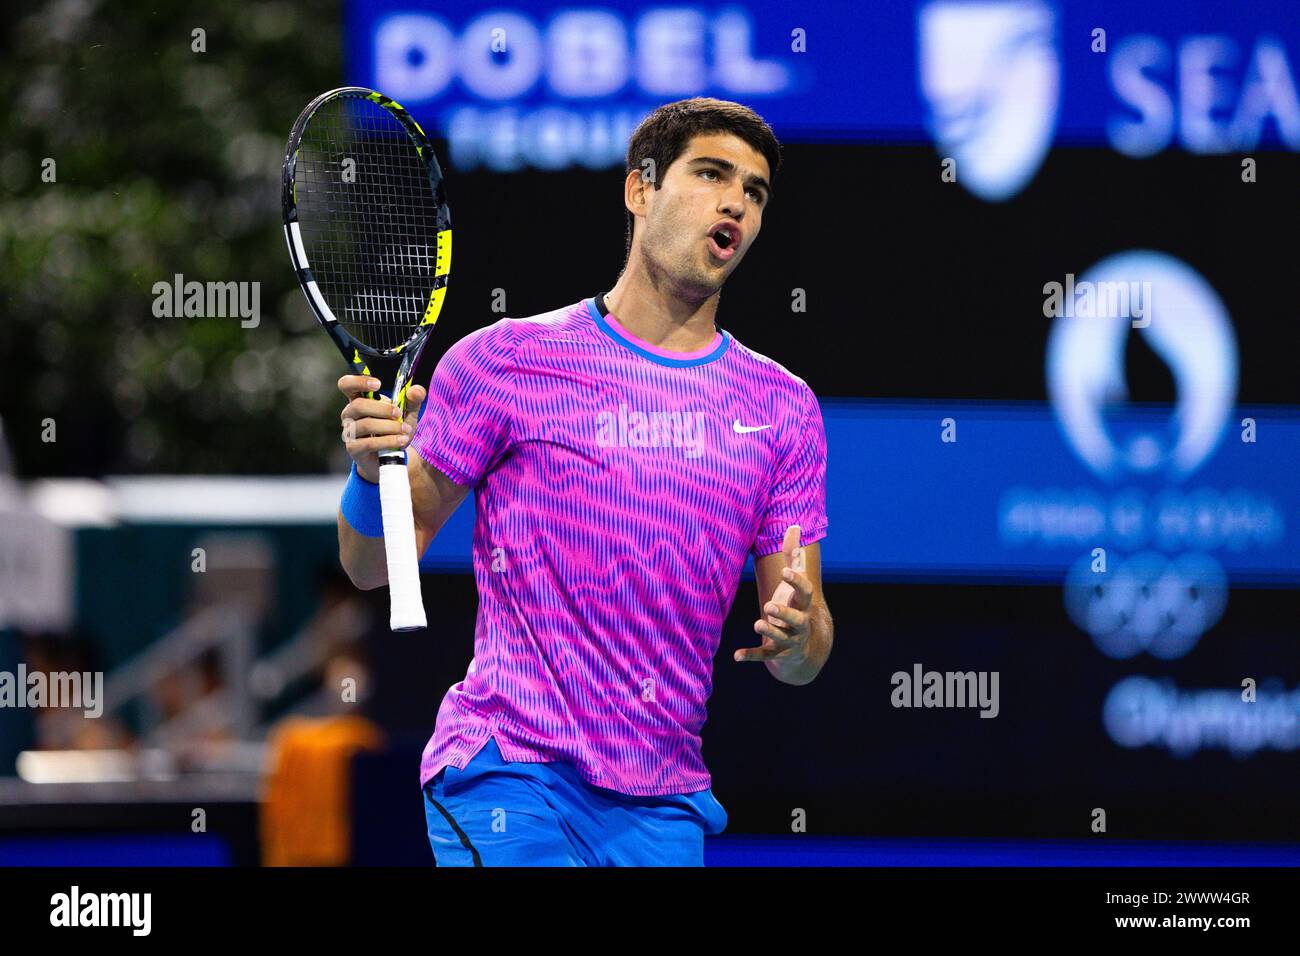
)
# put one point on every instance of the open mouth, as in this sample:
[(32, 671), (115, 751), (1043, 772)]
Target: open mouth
[(722, 242)]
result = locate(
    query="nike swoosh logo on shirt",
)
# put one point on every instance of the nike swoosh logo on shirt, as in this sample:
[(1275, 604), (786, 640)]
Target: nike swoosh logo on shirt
[(740, 429)]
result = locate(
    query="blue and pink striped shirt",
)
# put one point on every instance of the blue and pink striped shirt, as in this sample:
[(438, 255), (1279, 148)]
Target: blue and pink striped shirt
[(619, 489)]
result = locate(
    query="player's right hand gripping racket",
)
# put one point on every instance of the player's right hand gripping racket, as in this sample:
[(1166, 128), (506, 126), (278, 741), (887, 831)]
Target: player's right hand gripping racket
[(369, 234)]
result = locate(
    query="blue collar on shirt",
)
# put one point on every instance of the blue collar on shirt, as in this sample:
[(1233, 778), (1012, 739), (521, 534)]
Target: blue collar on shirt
[(605, 327)]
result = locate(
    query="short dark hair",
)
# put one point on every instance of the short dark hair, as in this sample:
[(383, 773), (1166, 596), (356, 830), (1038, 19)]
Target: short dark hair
[(664, 134)]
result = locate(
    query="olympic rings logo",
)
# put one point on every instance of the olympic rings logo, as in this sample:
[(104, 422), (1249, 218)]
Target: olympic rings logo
[(1149, 602)]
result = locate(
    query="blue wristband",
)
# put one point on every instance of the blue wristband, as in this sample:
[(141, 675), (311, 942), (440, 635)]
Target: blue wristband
[(360, 506)]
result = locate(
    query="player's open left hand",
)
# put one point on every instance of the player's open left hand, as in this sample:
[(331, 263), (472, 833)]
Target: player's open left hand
[(785, 628)]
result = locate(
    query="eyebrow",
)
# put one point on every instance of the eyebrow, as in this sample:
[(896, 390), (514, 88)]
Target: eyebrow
[(729, 166)]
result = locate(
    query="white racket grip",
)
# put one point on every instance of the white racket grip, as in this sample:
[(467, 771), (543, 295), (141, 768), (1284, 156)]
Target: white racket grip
[(406, 603)]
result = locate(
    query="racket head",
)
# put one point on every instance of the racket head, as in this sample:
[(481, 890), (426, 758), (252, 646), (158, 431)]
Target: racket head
[(368, 228)]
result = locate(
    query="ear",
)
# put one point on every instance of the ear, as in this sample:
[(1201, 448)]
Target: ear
[(635, 189)]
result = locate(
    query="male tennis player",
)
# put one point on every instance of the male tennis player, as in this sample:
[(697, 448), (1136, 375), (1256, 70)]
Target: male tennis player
[(626, 456)]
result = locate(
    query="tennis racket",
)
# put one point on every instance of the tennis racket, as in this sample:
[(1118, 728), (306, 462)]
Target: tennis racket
[(369, 235)]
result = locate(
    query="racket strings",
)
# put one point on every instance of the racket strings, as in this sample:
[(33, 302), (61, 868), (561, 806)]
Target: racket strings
[(369, 220)]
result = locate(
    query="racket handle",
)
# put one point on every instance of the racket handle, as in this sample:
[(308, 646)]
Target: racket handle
[(406, 603)]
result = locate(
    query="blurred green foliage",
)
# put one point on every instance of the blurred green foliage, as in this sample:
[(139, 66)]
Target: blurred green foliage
[(167, 161)]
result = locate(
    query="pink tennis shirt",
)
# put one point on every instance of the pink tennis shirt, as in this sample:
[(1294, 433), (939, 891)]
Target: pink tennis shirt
[(619, 489)]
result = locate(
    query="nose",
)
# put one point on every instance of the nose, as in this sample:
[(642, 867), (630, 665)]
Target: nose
[(733, 203)]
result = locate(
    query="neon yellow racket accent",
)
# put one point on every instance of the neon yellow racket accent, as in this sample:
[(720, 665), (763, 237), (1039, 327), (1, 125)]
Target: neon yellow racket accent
[(441, 267)]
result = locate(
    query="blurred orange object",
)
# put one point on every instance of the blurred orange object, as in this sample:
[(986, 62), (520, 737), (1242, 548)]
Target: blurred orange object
[(305, 817)]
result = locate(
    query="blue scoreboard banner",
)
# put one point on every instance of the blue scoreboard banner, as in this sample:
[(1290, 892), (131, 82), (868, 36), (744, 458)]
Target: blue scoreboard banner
[(554, 84), (979, 491)]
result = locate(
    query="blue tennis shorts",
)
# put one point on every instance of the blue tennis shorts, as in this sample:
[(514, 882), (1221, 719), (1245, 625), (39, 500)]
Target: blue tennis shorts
[(495, 813)]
